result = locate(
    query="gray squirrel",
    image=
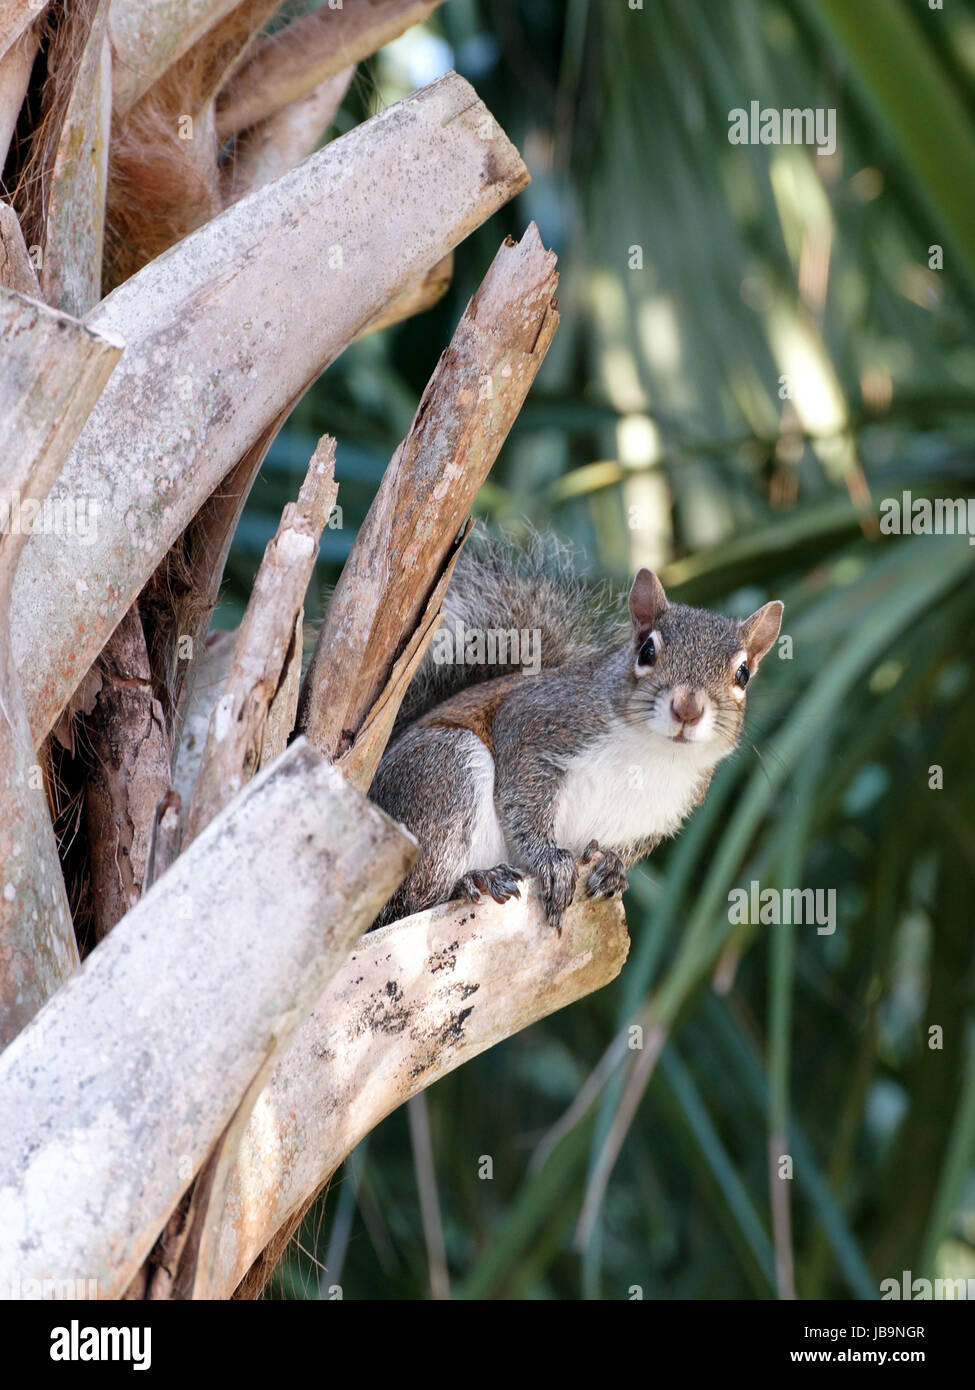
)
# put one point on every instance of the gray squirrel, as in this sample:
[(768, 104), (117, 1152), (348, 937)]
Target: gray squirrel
[(500, 773)]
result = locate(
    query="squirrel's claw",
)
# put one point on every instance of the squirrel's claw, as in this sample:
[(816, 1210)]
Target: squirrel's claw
[(500, 883), (608, 878), (557, 875)]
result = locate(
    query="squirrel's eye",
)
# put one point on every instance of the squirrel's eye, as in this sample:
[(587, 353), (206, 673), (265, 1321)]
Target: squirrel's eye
[(648, 653), (742, 676)]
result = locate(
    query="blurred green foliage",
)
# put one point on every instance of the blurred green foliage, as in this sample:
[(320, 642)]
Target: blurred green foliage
[(754, 351)]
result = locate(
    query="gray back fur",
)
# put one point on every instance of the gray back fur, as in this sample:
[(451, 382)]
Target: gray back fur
[(500, 584)]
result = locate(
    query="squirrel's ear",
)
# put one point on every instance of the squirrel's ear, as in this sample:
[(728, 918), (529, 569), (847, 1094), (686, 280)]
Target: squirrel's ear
[(760, 630), (647, 601)]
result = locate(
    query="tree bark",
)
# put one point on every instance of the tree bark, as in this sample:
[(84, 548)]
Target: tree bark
[(16, 271), (15, 17), (71, 277), (290, 64), (424, 292), (205, 682), (148, 36), (264, 642), (15, 70), (413, 1001), (469, 406), (54, 370), (127, 751), (281, 141), (188, 400), (123, 1083), (282, 713), (183, 597)]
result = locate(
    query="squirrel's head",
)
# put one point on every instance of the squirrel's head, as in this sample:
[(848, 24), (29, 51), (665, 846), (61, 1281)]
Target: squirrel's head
[(689, 668)]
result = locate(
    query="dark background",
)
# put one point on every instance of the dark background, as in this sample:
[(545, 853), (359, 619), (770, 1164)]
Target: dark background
[(733, 413)]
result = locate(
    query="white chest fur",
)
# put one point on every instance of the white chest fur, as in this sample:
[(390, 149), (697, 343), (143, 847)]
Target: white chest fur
[(631, 785), (487, 847)]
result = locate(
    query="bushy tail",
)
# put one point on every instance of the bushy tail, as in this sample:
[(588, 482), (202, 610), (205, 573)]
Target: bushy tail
[(500, 586)]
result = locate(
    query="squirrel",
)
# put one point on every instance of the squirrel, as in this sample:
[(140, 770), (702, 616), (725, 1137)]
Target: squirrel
[(595, 753)]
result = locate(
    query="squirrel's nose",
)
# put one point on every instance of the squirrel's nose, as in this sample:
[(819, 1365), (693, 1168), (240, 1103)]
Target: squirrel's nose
[(687, 708)]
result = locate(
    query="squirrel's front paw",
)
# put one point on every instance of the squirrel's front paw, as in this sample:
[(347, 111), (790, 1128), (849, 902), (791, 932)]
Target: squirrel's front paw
[(557, 881), (608, 877), (501, 883)]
